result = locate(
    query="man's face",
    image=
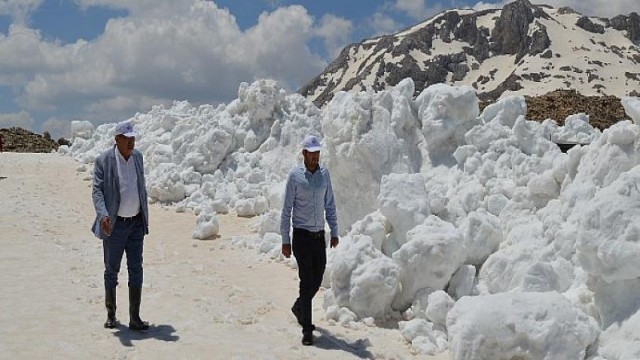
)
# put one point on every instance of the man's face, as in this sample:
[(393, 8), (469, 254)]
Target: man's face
[(125, 144), (311, 159)]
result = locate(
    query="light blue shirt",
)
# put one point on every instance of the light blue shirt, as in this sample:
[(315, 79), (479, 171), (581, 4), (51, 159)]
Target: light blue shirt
[(310, 196)]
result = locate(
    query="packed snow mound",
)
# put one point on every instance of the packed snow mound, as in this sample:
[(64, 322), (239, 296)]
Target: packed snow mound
[(519, 326), (363, 278), (609, 237), (432, 197), (621, 340), (234, 156), (632, 107), (370, 135)]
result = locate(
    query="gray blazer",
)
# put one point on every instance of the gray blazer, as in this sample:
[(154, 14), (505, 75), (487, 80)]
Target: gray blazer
[(106, 189)]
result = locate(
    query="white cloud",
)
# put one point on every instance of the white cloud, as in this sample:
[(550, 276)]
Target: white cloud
[(335, 32), (57, 128), (113, 104), (21, 119), (117, 107), (19, 10), (485, 6), (194, 52), (433, 10), (383, 24), (418, 9), (23, 53), (277, 47), (414, 8), (141, 8), (597, 7), (587, 7)]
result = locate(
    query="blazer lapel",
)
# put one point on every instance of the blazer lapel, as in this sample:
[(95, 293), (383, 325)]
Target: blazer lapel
[(113, 166)]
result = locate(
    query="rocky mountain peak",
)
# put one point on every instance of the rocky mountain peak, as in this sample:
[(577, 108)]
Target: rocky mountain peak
[(510, 34), (520, 49)]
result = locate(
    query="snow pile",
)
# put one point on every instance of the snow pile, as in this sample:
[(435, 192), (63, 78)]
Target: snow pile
[(521, 325), (207, 225), (231, 157), (444, 213), (631, 106)]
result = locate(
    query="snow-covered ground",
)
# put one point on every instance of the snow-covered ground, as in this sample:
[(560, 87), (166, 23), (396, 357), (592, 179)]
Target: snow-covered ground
[(470, 232), (205, 299)]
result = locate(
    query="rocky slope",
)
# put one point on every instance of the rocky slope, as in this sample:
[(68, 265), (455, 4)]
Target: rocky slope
[(521, 49), (603, 111), (17, 139)]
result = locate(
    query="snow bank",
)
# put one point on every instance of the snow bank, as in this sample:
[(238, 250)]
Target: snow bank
[(433, 199)]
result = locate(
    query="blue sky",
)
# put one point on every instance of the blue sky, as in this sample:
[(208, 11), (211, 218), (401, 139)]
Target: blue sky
[(105, 60)]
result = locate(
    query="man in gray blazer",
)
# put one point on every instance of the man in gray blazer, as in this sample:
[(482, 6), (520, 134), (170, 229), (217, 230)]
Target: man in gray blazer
[(122, 219)]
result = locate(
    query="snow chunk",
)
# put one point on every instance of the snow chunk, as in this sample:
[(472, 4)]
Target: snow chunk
[(430, 256), (447, 113), (576, 129), (631, 106), (81, 129), (439, 304), (519, 325), (461, 283), (482, 236), (609, 234), (615, 302), (207, 226), (505, 111), (423, 337), (621, 340), (403, 202), (362, 278)]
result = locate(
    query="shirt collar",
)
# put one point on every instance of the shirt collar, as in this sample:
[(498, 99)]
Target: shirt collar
[(119, 155), (304, 167)]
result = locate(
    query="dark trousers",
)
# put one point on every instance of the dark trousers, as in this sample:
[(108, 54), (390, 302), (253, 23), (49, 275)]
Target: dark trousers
[(127, 236), (310, 252)]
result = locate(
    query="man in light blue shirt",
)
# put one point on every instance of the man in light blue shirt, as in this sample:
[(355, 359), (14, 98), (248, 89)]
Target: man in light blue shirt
[(309, 199)]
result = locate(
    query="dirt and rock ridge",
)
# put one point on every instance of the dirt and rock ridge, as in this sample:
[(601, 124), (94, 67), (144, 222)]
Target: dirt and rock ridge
[(17, 139), (603, 111)]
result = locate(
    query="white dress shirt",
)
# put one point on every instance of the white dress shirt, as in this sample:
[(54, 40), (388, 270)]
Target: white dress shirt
[(129, 197)]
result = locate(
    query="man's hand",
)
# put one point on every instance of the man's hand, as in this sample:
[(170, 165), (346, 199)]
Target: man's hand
[(105, 225), (334, 241), (286, 250)]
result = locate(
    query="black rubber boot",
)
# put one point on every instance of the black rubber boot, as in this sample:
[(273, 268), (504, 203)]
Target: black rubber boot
[(110, 304), (135, 323)]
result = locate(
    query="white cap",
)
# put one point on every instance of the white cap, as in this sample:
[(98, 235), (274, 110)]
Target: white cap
[(125, 128), (311, 143)]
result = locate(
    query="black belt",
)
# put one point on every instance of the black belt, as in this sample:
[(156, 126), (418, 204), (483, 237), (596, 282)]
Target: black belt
[(132, 218), (317, 235)]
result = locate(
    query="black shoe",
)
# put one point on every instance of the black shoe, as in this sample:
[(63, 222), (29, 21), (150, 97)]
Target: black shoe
[(138, 325), (295, 309), (111, 323), (307, 339)]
